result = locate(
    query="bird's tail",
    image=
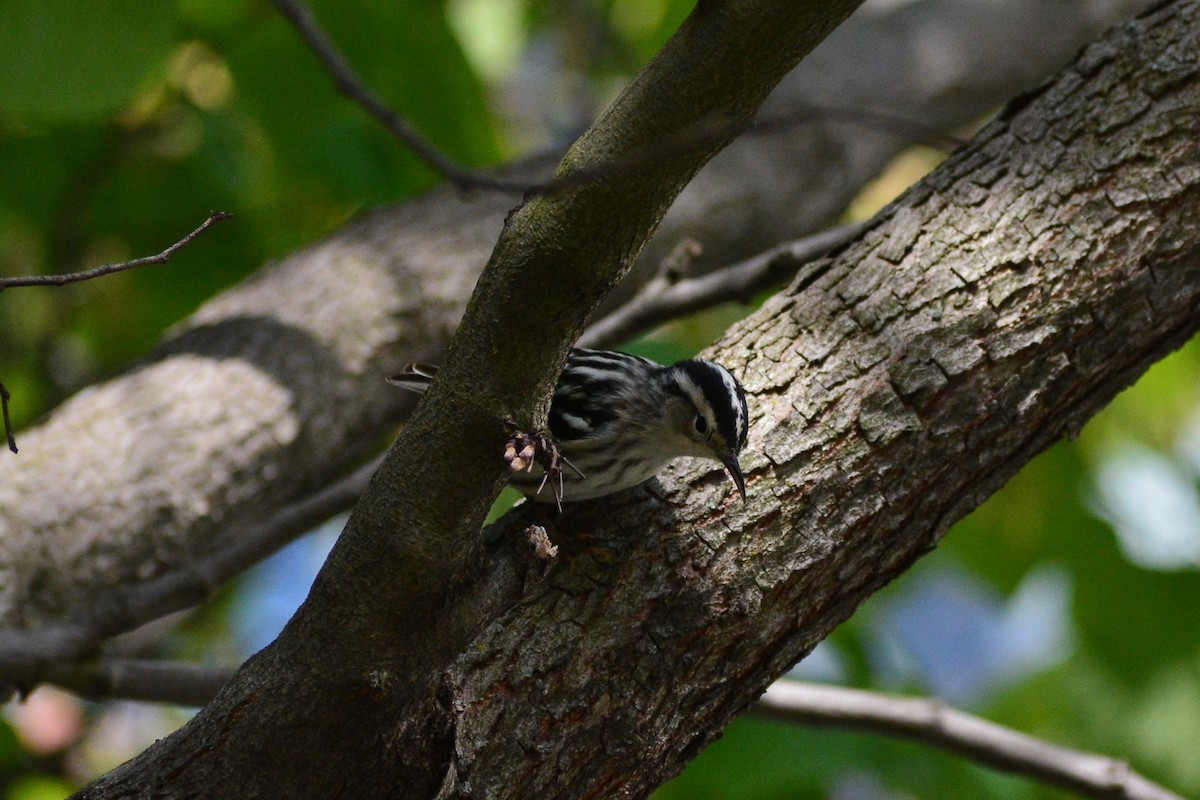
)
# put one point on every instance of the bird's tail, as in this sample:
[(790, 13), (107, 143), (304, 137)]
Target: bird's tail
[(414, 377)]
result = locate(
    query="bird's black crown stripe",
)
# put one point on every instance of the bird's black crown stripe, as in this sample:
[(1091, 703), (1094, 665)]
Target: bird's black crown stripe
[(716, 390)]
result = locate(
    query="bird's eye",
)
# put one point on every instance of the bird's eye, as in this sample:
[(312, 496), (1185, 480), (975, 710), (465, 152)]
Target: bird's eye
[(701, 424)]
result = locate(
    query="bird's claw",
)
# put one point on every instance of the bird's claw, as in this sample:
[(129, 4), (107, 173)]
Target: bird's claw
[(524, 450)]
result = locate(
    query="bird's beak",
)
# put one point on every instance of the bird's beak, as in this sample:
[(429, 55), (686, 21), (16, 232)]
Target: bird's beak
[(735, 472)]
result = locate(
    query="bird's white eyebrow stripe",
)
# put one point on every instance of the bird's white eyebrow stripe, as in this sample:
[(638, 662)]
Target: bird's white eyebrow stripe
[(713, 388), (692, 389)]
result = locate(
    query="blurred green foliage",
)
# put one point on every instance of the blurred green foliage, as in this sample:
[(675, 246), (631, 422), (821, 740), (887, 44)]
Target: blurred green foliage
[(123, 123)]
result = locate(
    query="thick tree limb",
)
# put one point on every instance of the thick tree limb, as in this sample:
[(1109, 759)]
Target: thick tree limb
[(932, 722), (48, 653), (272, 388)]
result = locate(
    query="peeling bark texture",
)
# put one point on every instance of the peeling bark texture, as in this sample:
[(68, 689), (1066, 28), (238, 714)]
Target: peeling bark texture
[(276, 386), (988, 312)]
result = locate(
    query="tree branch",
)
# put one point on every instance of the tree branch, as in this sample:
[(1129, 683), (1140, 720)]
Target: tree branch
[(139, 679), (55, 652), (108, 269), (350, 84), (8, 429), (931, 722), (85, 275), (667, 296)]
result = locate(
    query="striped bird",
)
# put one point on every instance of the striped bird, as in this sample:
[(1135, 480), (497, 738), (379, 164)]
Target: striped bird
[(618, 419)]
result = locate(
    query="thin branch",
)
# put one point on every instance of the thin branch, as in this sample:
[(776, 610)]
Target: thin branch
[(350, 84), (933, 723), (8, 430), (108, 269), (667, 297), (95, 272), (916, 132), (28, 657), (136, 679)]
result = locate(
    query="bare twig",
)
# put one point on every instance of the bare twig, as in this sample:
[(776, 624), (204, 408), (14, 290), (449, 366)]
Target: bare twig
[(8, 431), (917, 132), (667, 297), (135, 679), (95, 272), (933, 723), (108, 269), (27, 657), (350, 84)]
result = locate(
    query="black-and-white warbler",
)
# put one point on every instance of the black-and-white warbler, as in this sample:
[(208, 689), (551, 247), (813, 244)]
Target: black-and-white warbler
[(618, 419)]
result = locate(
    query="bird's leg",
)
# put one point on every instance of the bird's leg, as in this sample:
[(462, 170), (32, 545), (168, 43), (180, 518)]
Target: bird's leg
[(523, 450)]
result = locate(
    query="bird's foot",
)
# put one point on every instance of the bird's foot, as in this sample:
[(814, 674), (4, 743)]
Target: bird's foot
[(524, 450)]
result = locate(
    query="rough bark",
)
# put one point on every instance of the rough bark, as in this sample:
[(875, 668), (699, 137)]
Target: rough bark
[(275, 386), (988, 312)]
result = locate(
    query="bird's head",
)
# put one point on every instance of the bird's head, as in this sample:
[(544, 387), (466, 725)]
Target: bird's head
[(708, 413)]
